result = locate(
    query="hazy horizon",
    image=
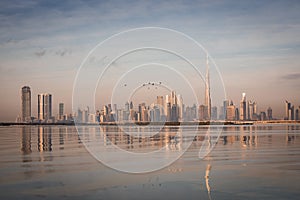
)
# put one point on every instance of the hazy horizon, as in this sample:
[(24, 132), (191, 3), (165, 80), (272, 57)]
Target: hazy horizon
[(255, 44)]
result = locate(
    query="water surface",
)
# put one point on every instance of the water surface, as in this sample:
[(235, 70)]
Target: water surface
[(248, 162)]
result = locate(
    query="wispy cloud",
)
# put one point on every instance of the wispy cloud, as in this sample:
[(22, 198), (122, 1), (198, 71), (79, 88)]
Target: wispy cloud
[(40, 53), (292, 76), (63, 52)]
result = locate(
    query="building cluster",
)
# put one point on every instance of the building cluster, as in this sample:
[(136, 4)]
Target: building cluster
[(290, 112), (170, 109), (44, 109), (246, 111)]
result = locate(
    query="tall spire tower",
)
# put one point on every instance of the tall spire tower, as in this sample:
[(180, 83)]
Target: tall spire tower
[(207, 90)]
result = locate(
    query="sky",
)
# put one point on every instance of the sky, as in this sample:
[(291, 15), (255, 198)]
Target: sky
[(255, 44)]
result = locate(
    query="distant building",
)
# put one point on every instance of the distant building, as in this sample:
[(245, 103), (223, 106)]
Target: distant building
[(214, 113), (144, 115), (297, 114), (289, 111), (251, 111), (207, 99), (243, 108), (169, 111), (230, 113), (237, 114), (224, 110), (180, 107), (160, 103), (26, 104), (201, 112), (61, 111), (174, 113), (263, 116), (269, 112), (44, 106)]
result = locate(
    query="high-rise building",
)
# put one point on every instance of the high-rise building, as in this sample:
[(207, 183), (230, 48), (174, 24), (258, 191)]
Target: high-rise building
[(61, 111), (26, 104), (202, 112), (269, 112), (297, 114), (237, 114), (230, 113), (173, 98), (180, 107), (44, 106), (174, 113), (223, 114), (144, 115), (160, 104), (263, 116), (291, 113), (169, 112), (250, 110), (131, 105), (207, 90), (214, 113), (287, 110), (243, 108)]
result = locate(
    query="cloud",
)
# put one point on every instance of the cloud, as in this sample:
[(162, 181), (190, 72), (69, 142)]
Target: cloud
[(40, 53), (63, 52), (292, 76)]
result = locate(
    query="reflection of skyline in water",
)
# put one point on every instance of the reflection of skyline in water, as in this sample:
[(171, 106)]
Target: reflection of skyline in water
[(254, 160), (171, 137), (132, 138)]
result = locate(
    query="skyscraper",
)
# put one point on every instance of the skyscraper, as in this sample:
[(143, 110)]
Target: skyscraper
[(243, 108), (231, 113), (201, 112), (44, 106), (287, 109), (214, 113), (224, 110), (269, 112), (180, 107), (160, 104), (250, 110), (207, 90), (61, 110), (26, 104)]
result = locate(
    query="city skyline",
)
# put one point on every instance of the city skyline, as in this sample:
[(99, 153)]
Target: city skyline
[(168, 109), (255, 45)]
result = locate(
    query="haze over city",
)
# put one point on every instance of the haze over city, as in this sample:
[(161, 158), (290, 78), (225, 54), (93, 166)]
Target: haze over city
[(255, 45)]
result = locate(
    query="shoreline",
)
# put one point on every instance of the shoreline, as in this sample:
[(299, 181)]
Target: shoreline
[(200, 123)]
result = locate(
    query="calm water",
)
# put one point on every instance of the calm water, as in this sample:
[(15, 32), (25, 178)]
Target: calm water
[(248, 162)]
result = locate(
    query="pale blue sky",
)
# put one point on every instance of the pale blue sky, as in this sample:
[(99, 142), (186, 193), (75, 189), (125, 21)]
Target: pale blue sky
[(256, 44)]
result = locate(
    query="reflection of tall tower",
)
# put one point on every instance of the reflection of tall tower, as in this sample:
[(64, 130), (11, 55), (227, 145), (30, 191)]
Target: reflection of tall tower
[(207, 171), (26, 140), (207, 89), (26, 104), (44, 139)]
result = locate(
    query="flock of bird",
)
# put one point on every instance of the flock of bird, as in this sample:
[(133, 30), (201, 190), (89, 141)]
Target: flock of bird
[(147, 84)]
